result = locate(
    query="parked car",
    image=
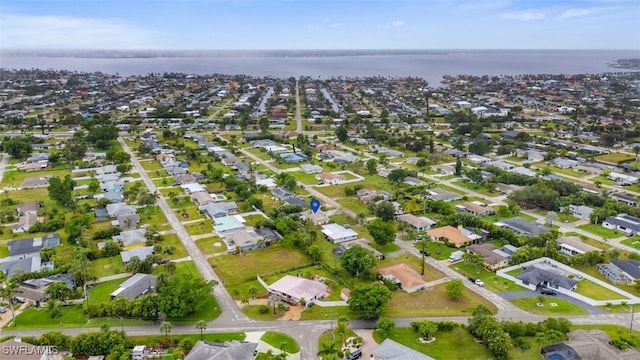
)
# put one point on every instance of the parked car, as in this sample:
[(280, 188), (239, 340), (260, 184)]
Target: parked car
[(472, 279), (548, 292), (479, 282), (3, 309), (356, 354)]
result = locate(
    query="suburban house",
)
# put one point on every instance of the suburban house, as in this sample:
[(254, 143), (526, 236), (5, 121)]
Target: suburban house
[(131, 238), (421, 223), (523, 227), (317, 218), (311, 169), (20, 266), (564, 163), (331, 178), (34, 291), (538, 277), (202, 198), (192, 188), (623, 222), (624, 198), (135, 286), (183, 179), (140, 252), (338, 233), (403, 276), (227, 224), (120, 209), (26, 351), (443, 195), (26, 208), (230, 350), (620, 271), (391, 350), (573, 245), (244, 240), (507, 189), (340, 249), (217, 210), (413, 181), (581, 211), (32, 246), (445, 169), (492, 257), (587, 344), (127, 222), (476, 208), (297, 289), (25, 222), (451, 235)]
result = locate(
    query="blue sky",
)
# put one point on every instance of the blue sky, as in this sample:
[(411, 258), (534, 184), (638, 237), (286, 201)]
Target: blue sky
[(320, 24)]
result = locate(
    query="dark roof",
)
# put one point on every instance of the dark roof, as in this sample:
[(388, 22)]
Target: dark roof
[(525, 226), (268, 232), (32, 245), (135, 286), (281, 193), (204, 350), (631, 267), (536, 276), (296, 201)]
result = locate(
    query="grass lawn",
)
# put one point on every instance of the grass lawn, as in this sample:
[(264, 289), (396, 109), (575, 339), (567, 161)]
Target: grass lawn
[(469, 185), (107, 266), (388, 248), (613, 331), (100, 293), (456, 344), (437, 249), (253, 312), (271, 259), (616, 158), (151, 166), (309, 179), (601, 231), (200, 227), (596, 292), (278, 340), (633, 242), (602, 180), (14, 178), (568, 172), (491, 281), (172, 239), (207, 246), (325, 313), (433, 302), (73, 316), (354, 204), (563, 307)]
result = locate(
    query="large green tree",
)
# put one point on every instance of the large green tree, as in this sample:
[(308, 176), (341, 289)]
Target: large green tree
[(182, 295), (18, 147), (369, 299), (357, 260), (383, 232)]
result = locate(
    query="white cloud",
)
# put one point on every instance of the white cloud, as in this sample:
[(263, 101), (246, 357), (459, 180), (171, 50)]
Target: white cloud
[(335, 25), (396, 23), (57, 32), (573, 13), (524, 16)]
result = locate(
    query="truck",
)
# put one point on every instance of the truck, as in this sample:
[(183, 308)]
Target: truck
[(456, 256)]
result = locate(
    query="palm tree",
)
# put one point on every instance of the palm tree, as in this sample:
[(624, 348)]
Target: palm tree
[(341, 327), (328, 350), (171, 267), (166, 327), (252, 292), (201, 325), (7, 290)]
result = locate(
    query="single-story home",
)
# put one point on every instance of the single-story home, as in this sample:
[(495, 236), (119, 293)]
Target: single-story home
[(244, 240), (227, 224), (338, 233), (620, 271), (135, 286), (404, 276), (476, 209), (582, 212), (421, 223), (544, 277), (230, 350), (131, 238), (120, 209), (523, 227), (573, 245), (317, 218), (311, 168), (623, 222), (221, 209), (450, 235), (26, 247), (140, 252), (202, 198), (296, 289), (391, 350), (443, 195), (493, 258), (588, 344), (331, 178)]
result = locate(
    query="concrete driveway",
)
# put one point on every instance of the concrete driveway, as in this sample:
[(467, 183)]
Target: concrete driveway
[(510, 295)]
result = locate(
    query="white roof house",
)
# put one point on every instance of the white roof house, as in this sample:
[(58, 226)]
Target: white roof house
[(192, 188), (293, 289), (338, 233)]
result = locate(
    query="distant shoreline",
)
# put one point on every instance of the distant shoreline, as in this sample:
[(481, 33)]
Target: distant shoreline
[(195, 53)]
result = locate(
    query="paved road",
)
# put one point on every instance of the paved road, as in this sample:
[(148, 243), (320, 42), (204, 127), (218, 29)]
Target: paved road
[(3, 165), (224, 299), (299, 127)]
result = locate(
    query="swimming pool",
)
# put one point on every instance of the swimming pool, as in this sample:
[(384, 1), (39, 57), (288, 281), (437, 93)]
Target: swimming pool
[(556, 357)]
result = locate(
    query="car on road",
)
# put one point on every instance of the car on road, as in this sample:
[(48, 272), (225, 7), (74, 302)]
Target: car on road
[(425, 252), (479, 282), (472, 279)]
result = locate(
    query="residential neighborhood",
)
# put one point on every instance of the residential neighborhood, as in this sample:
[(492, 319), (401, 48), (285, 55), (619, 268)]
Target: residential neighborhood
[(187, 203)]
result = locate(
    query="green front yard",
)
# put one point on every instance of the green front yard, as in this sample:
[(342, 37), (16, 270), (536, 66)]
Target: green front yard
[(491, 281), (560, 308), (604, 233), (278, 340), (596, 292)]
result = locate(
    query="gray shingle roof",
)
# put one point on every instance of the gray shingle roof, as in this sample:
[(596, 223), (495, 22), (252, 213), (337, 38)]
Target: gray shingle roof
[(135, 286), (232, 350), (537, 276), (631, 267)]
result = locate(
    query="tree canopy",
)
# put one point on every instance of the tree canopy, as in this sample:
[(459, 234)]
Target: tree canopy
[(369, 299), (383, 232), (357, 259), (181, 295)]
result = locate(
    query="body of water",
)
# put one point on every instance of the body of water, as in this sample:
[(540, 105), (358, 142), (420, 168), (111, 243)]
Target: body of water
[(428, 65)]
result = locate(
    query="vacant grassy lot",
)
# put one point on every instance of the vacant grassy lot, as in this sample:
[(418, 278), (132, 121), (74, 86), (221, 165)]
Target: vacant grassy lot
[(633, 242), (604, 233), (73, 316), (616, 158), (437, 249), (207, 245), (156, 339), (107, 266), (491, 281), (14, 178), (563, 307), (209, 311), (271, 259), (433, 302), (479, 189), (596, 292)]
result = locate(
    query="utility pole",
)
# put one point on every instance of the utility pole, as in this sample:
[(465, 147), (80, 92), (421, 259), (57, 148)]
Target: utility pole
[(422, 257), (633, 311)]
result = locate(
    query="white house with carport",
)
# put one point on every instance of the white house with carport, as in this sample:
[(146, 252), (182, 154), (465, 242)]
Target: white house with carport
[(338, 233), (297, 289)]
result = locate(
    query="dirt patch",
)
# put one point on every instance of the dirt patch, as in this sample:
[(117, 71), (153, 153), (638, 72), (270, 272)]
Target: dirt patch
[(293, 313)]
